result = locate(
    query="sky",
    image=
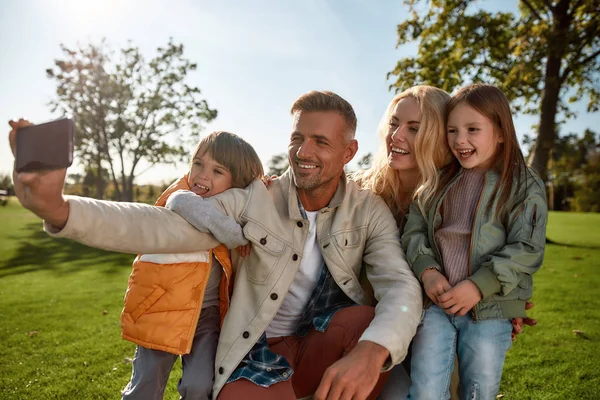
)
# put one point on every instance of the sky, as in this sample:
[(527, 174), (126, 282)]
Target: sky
[(254, 59)]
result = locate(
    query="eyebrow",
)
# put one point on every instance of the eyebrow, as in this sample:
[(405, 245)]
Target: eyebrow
[(314, 136), (394, 118)]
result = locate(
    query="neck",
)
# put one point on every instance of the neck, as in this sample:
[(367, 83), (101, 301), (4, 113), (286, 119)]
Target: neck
[(409, 180), (319, 197)]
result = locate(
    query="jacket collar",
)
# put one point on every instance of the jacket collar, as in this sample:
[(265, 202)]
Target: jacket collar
[(287, 181)]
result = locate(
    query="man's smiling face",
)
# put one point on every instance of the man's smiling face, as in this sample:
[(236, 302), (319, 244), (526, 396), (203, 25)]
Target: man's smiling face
[(319, 148)]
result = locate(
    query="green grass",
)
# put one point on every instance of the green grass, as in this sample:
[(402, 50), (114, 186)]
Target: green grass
[(72, 295), (59, 316)]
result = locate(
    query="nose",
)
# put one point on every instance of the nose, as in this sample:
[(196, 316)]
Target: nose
[(399, 134), (460, 137), (305, 150)]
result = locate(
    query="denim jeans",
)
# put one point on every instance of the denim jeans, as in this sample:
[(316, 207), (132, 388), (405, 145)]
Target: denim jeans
[(481, 347)]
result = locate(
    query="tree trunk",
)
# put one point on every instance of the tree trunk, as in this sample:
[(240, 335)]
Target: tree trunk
[(552, 84), (99, 179)]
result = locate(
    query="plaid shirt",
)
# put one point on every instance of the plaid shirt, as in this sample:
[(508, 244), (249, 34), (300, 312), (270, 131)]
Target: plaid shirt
[(265, 368)]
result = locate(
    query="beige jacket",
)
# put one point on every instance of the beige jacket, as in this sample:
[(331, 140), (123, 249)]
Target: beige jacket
[(356, 232)]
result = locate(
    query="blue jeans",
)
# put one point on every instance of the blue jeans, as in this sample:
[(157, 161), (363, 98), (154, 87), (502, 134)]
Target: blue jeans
[(481, 347)]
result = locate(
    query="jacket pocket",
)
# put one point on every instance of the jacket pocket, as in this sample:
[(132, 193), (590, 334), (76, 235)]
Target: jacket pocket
[(148, 302), (533, 224), (265, 255), (348, 239)]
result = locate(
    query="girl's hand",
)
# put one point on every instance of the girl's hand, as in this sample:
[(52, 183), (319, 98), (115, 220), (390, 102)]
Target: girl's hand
[(268, 180), (434, 284), (244, 250), (461, 298)]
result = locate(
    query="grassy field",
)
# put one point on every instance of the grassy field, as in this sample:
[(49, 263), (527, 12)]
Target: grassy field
[(60, 304)]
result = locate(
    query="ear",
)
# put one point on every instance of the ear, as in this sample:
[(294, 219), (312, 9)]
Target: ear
[(350, 151), (499, 135)]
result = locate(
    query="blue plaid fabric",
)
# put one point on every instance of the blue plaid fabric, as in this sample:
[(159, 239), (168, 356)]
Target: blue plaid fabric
[(265, 368)]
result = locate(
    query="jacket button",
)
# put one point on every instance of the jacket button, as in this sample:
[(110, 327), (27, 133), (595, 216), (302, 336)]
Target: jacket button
[(221, 371), (263, 241), (295, 257), (300, 224), (246, 335), (274, 296)]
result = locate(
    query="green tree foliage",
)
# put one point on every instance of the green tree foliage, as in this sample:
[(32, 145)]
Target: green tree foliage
[(6, 183), (575, 173), (128, 109), (538, 57), (278, 164)]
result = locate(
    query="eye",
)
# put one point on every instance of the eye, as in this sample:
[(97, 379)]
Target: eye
[(393, 125), (451, 131), (197, 163), (218, 172), (413, 129), (473, 130)]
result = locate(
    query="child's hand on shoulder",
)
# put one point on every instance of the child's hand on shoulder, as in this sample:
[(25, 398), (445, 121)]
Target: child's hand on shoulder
[(268, 180), (244, 250), (461, 298), (434, 284)]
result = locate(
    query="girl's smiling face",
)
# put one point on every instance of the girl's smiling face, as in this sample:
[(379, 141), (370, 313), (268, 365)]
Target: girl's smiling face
[(472, 137)]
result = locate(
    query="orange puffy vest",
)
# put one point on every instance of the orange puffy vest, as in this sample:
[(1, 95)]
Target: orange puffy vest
[(165, 293)]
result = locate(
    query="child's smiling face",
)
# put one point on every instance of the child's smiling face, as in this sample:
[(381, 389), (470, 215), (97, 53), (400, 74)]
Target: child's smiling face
[(207, 177), (472, 137)]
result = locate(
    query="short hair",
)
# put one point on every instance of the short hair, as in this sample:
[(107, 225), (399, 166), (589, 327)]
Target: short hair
[(235, 154), (324, 101)]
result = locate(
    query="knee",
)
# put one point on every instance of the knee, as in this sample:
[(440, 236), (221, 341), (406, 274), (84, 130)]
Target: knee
[(357, 318), (196, 389)]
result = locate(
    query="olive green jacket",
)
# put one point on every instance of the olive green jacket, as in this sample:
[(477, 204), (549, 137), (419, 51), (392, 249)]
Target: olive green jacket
[(503, 254)]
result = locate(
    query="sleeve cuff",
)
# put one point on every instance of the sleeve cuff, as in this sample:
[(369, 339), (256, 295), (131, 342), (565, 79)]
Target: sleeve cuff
[(486, 281), (421, 263)]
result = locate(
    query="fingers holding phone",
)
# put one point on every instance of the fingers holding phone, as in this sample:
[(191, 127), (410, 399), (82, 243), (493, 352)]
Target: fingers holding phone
[(40, 167)]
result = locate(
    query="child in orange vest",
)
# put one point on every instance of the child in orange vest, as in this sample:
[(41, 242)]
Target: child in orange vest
[(175, 303)]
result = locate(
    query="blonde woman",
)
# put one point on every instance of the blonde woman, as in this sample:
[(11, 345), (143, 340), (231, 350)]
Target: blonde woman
[(413, 149)]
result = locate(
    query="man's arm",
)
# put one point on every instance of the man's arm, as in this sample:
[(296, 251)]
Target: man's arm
[(126, 227), (399, 307)]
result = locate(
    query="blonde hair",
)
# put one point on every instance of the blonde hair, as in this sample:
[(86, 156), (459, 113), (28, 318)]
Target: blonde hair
[(431, 151), (323, 101), (490, 101), (235, 154)]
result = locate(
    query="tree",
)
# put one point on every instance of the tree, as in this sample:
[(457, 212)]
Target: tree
[(128, 109), (278, 164), (549, 50), (6, 183), (574, 170), (365, 161)]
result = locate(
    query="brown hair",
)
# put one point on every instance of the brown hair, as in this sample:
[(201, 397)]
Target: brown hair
[(490, 101), (327, 101), (235, 154)]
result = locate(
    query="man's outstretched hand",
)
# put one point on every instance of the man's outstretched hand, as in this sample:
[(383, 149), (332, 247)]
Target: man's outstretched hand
[(355, 375), (41, 192), (519, 323)]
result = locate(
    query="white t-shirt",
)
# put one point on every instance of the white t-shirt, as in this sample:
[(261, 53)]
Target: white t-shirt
[(294, 303)]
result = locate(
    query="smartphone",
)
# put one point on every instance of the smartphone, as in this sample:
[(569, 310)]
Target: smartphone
[(45, 146)]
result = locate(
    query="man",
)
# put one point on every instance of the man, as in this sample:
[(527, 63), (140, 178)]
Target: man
[(299, 321)]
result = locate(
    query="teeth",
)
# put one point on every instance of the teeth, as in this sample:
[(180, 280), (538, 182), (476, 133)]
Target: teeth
[(306, 166), (466, 151), (400, 151), (201, 186)]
